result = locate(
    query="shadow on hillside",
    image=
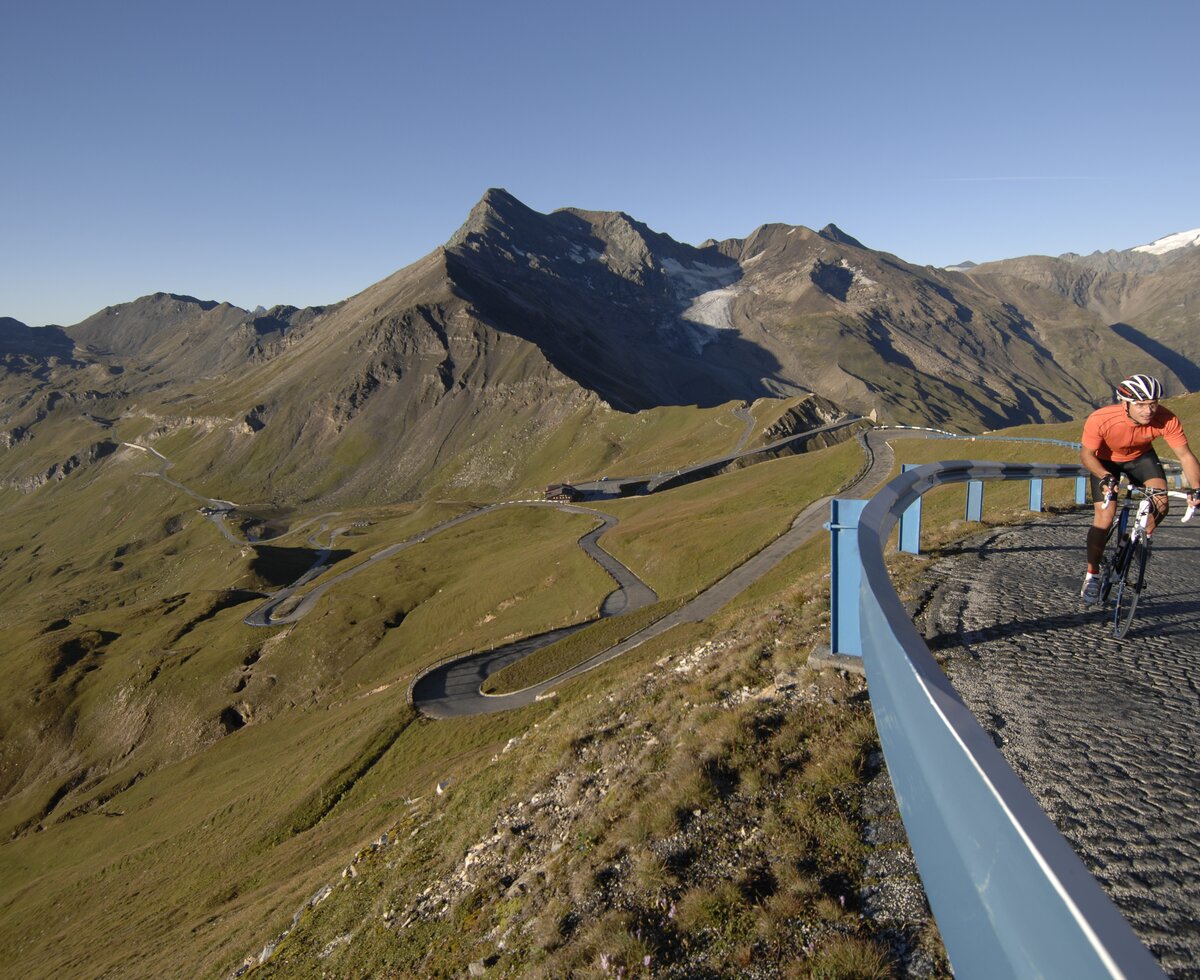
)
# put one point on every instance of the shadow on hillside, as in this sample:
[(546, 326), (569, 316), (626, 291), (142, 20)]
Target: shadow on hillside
[(630, 338), (1185, 369), (282, 566)]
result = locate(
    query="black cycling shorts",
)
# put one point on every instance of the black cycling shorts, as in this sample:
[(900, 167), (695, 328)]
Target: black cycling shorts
[(1146, 467)]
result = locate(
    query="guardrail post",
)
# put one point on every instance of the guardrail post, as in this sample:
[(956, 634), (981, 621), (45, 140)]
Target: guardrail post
[(845, 576), (1081, 483), (1035, 494), (975, 500), (910, 522)]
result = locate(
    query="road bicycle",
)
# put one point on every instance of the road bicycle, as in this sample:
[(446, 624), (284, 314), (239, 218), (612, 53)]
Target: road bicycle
[(1125, 573)]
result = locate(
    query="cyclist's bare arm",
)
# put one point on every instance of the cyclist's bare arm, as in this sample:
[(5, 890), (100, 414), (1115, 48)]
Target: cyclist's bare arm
[(1091, 462), (1191, 465)]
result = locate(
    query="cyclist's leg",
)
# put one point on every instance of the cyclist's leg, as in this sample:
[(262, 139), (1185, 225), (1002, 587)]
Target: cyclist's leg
[(1147, 471), (1101, 522), (1161, 505), (1097, 536)]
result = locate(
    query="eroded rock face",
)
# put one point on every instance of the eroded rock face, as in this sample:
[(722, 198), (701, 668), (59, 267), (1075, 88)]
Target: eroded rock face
[(643, 320), (62, 469), (235, 717)]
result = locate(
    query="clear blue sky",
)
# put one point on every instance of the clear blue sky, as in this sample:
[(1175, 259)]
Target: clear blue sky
[(266, 152)]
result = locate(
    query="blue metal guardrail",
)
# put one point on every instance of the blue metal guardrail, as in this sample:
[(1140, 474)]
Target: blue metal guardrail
[(1010, 896)]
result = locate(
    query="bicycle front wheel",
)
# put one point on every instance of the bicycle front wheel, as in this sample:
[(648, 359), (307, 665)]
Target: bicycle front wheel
[(1114, 568), (1128, 588)]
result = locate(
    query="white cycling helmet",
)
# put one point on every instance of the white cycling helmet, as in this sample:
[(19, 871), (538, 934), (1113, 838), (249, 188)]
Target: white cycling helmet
[(1140, 388)]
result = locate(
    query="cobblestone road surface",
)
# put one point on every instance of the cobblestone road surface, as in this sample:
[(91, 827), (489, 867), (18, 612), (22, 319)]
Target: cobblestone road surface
[(1103, 732)]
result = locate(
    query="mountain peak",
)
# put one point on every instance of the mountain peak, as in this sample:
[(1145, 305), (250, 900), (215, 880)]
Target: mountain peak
[(835, 234), (497, 209)]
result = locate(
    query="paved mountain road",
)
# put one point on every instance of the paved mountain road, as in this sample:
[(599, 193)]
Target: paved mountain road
[(1104, 733), (622, 486), (284, 607), (452, 689)]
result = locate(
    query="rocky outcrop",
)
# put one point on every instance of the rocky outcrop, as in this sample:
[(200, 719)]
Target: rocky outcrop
[(62, 469)]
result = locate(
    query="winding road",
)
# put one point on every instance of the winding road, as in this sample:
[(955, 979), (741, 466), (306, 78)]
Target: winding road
[(284, 607), (453, 689)]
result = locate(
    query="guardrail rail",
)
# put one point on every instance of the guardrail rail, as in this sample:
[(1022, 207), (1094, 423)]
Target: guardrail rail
[(1010, 896)]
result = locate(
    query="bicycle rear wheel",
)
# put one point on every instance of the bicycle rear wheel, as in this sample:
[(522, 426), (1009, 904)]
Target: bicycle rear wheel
[(1128, 588)]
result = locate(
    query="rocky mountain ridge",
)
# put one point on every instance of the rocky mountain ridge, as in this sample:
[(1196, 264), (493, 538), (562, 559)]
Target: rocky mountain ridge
[(1150, 300), (523, 321)]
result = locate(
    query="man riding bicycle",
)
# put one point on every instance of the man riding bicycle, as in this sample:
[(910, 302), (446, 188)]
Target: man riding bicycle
[(1118, 439)]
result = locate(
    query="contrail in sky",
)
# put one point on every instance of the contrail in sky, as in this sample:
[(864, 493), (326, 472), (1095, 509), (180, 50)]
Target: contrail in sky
[(993, 180)]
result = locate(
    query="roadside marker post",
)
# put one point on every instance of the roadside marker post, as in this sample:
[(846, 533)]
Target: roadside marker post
[(975, 500), (1035, 494), (910, 521), (845, 576), (1081, 483)]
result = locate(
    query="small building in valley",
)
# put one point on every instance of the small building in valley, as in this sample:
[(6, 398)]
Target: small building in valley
[(563, 491)]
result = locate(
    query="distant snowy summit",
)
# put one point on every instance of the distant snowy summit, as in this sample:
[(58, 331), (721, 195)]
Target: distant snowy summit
[(1181, 239)]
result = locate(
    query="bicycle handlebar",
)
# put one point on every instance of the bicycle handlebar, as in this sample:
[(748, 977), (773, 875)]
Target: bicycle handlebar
[(1191, 505), (1110, 494)]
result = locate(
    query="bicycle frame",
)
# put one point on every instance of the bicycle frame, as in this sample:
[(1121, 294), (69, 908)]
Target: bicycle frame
[(1126, 572)]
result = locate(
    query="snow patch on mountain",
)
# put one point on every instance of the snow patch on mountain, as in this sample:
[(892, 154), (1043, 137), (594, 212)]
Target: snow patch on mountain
[(705, 293), (1180, 239), (860, 277), (713, 309), (579, 256), (707, 299)]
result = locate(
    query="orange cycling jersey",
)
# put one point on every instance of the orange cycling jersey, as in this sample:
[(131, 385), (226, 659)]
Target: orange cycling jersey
[(1111, 434)]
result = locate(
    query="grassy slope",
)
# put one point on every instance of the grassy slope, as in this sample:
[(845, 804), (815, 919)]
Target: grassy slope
[(682, 540), (509, 455)]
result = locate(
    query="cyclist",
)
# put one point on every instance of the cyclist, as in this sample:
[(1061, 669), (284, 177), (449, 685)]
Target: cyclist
[(1118, 439)]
